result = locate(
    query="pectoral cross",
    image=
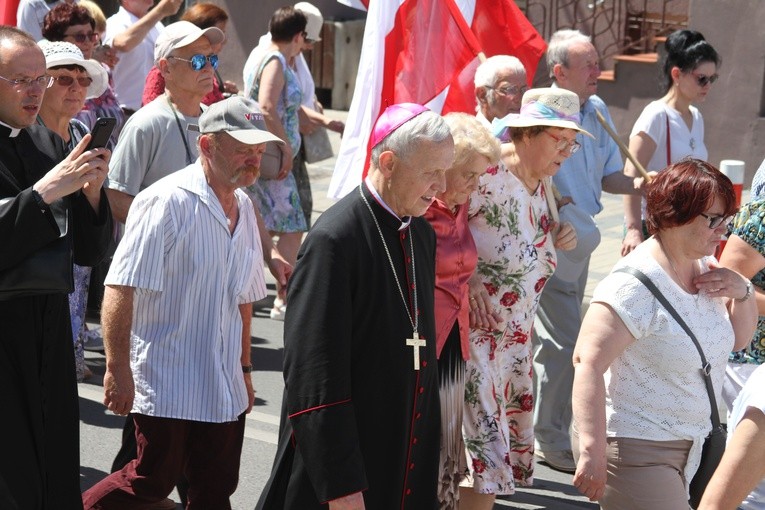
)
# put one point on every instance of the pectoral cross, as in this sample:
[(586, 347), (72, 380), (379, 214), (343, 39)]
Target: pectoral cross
[(415, 343)]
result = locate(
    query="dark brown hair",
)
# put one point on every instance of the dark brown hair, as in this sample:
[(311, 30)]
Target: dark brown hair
[(684, 190), (286, 23), (205, 15), (64, 16)]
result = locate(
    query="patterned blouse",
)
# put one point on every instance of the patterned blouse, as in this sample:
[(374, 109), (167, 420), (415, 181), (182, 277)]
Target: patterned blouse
[(750, 227)]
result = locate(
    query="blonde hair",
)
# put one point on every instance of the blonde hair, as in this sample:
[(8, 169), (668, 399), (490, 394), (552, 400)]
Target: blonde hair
[(97, 14), (470, 136)]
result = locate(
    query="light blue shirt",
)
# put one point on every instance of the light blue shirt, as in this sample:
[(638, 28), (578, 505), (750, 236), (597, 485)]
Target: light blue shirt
[(580, 176)]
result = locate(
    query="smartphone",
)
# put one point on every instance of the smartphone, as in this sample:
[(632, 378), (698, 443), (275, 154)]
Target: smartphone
[(101, 132)]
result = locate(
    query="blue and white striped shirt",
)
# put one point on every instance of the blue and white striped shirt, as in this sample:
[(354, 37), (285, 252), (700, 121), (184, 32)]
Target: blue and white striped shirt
[(190, 274)]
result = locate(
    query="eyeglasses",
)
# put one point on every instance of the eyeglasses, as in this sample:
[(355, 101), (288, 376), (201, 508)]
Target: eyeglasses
[(564, 144), (67, 81), (716, 221), (511, 90), (198, 61), (43, 81), (704, 80), (81, 38)]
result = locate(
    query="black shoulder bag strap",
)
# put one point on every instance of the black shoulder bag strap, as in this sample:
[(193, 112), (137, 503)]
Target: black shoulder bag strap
[(705, 367)]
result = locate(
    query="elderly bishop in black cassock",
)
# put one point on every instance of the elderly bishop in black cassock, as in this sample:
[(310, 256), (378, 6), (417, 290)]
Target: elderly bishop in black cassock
[(361, 416)]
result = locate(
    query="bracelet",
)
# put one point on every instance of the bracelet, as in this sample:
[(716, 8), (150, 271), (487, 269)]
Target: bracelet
[(247, 369), (748, 292)]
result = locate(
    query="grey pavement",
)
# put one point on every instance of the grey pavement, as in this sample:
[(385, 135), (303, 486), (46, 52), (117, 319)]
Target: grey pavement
[(100, 431)]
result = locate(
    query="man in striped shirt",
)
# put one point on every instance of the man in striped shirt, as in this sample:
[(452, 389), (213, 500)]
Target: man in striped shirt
[(189, 267)]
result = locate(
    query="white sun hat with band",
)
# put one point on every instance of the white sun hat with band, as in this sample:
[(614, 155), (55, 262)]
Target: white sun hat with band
[(554, 107), (61, 53)]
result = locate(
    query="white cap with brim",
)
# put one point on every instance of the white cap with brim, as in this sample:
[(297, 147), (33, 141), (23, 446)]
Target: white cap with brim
[(314, 20), (61, 53), (571, 263), (182, 33), (239, 117), (554, 107)]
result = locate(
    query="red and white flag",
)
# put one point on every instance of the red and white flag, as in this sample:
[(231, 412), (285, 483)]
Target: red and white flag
[(8, 12), (426, 52)]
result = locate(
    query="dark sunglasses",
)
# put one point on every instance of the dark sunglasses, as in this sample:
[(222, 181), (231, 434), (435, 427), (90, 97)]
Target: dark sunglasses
[(198, 61), (716, 221), (704, 80), (67, 81), (81, 38)]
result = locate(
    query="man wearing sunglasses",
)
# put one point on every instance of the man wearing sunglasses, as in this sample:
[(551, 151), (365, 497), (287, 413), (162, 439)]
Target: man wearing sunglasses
[(574, 64)]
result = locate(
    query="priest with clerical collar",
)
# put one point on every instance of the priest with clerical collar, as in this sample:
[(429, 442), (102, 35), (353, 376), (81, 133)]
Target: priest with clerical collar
[(360, 428)]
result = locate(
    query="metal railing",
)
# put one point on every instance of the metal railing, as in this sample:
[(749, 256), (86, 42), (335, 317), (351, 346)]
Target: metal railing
[(617, 27)]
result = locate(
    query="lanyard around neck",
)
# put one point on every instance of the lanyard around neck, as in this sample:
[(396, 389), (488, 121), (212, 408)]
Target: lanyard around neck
[(189, 158)]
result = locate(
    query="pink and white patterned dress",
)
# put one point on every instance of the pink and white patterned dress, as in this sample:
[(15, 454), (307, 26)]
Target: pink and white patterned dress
[(511, 228)]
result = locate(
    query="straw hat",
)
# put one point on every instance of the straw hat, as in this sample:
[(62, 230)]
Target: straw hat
[(553, 107), (60, 53)]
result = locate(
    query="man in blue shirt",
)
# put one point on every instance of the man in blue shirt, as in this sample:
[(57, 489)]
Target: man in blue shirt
[(574, 65)]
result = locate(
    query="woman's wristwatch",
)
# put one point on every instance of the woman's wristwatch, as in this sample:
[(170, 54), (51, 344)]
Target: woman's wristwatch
[(748, 292)]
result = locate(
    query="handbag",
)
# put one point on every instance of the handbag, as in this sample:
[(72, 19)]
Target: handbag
[(317, 145), (714, 444), (271, 162), (47, 270)]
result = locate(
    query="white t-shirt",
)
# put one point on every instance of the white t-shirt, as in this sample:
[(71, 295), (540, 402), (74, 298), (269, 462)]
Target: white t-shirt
[(190, 274), (131, 71), (654, 389), (752, 395)]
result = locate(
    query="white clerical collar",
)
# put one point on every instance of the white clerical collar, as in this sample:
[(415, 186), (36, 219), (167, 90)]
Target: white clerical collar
[(14, 131), (376, 195)]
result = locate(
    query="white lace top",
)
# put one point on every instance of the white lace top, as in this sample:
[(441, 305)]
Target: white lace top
[(654, 389)]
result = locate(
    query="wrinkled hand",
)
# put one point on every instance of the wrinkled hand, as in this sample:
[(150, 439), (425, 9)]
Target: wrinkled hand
[(482, 312), (351, 502), (229, 87), (119, 390), (169, 7), (564, 236), (632, 239), (590, 476), (106, 55), (77, 171), (721, 282), (280, 268), (337, 126), (286, 161), (250, 392)]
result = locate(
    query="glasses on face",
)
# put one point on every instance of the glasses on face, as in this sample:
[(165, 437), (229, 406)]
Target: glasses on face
[(563, 144), (67, 81), (43, 81), (511, 90), (81, 38), (716, 221), (198, 61), (704, 80)]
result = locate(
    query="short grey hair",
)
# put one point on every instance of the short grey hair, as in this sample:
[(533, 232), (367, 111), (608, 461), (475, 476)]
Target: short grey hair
[(560, 42), (425, 127), (486, 74)]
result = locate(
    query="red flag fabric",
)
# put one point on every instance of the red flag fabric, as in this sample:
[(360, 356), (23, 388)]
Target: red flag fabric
[(501, 29), (8, 12)]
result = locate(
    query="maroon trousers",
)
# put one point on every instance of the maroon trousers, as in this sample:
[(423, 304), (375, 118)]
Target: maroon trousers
[(207, 454)]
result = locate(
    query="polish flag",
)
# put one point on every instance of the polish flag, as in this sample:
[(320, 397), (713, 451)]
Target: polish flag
[(426, 52)]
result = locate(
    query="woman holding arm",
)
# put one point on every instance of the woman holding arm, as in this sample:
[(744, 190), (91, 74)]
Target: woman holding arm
[(276, 89), (671, 128), (641, 408)]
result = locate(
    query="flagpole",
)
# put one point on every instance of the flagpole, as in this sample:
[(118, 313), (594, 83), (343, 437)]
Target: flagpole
[(622, 147)]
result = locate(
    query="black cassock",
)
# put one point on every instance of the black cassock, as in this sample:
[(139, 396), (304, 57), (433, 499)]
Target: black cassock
[(360, 417), (40, 461)]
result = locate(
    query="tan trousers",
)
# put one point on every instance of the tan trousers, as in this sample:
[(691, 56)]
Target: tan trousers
[(645, 475)]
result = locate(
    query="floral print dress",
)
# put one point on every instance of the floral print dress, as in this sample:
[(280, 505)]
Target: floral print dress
[(511, 229)]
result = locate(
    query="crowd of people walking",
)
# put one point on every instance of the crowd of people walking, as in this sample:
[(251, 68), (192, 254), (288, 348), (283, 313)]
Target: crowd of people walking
[(434, 344)]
